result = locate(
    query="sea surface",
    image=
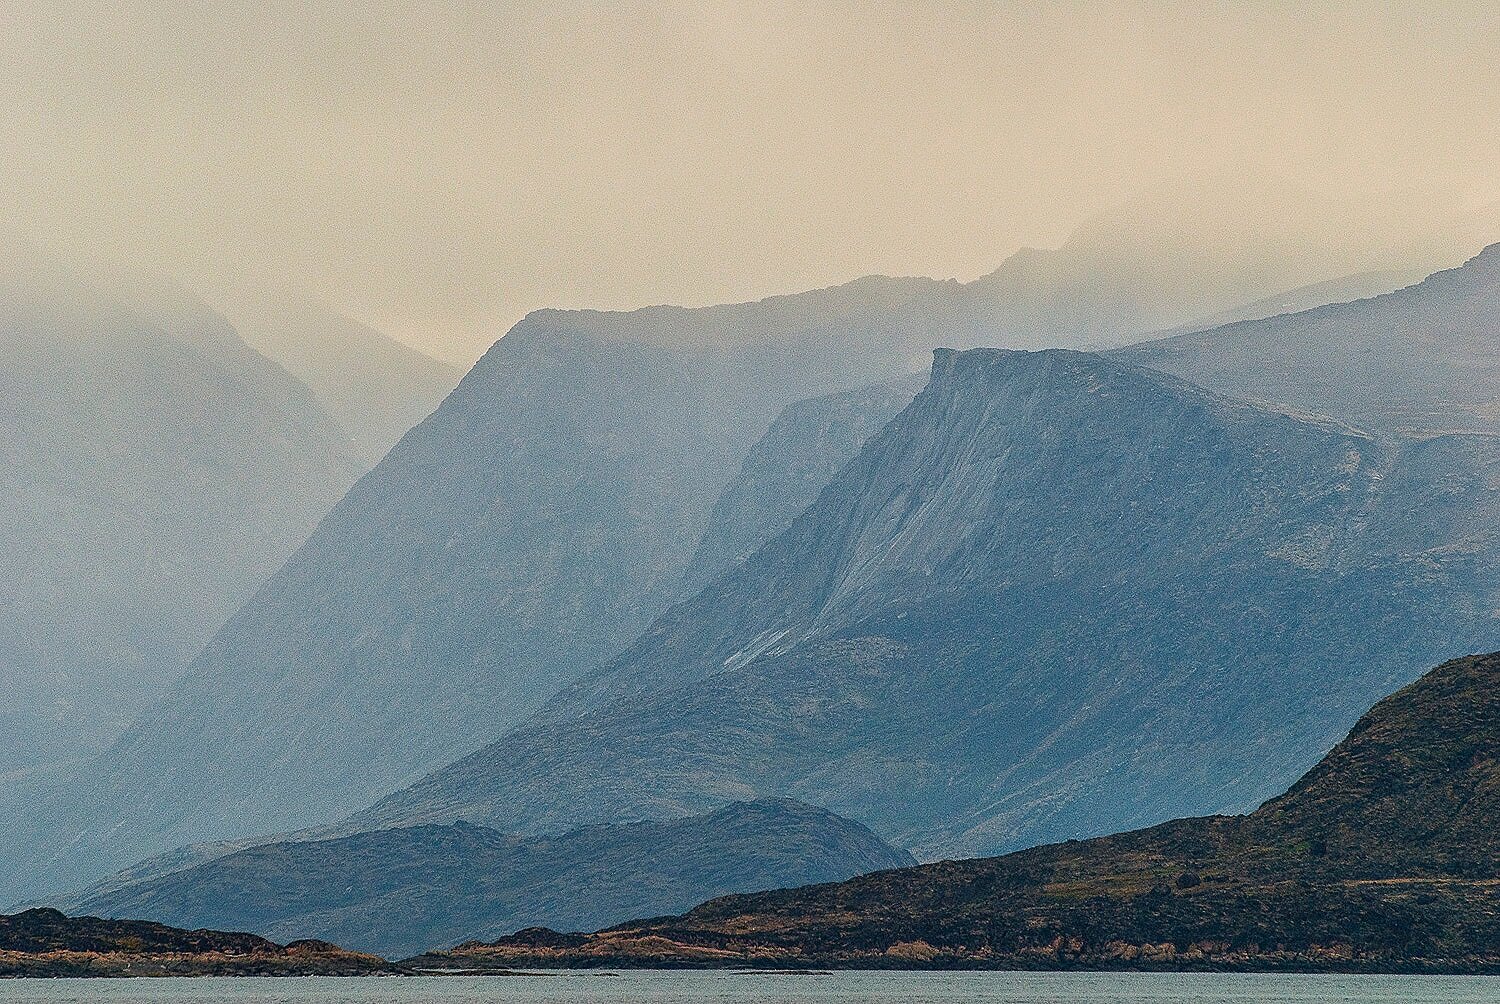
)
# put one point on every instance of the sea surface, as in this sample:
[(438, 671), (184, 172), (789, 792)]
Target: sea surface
[(775, 988)]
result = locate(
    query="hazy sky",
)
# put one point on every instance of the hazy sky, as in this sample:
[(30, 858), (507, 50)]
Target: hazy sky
[(440, 169)]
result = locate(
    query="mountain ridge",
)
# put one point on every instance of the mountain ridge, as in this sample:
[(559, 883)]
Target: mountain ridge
[(1419, 360), (400, 891), (1052, 511)]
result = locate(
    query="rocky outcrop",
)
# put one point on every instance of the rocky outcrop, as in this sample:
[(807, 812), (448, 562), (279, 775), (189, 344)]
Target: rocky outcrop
[(47, 943), (786, 471)]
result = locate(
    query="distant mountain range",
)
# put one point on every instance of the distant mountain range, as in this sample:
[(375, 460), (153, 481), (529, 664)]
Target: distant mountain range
[(1382, 858), (153, 471), (590, 474), (374, 386), (1056, 596), (554, 505), (403, 891)]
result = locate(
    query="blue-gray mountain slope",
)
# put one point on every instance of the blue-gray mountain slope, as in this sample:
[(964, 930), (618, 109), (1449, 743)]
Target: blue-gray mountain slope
[(1425, 358), (528, 531), (1056, 596), (153, 471)]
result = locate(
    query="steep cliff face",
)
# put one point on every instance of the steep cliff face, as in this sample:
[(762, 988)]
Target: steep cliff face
[(153, 470), (1056, 596), (1425, 358), (787, 469), (1384, 857), (398, 892)]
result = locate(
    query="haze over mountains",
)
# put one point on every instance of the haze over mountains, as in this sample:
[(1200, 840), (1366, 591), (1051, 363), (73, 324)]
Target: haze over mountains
[(527, 532), (597, 468), (1422, 359), (373, 386), (153, 469)]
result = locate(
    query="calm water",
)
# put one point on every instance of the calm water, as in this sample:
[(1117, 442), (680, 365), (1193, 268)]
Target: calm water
[(780, 988)]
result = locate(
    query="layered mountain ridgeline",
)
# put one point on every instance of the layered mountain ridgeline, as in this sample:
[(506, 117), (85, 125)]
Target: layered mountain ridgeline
[(1384, 857), (153, 470), (1344, 289), (522, 534), (47, 943), (1056, 596), (376, 387), (543, 516), (527, 532), (1424, 358), (398, 892)]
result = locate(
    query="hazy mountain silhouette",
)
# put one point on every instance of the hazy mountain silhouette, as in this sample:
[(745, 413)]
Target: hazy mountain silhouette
[(528, 530), (1345, 289), (155, 470), (1424, 358), (402, 891)]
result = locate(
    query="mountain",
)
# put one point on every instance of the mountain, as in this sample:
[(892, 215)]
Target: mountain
[(522, 534), (1423, 359), (1056, 596), (1383, 857), (785, 471), (402, 891), (529, 529), (153, 470), (374, 386), (46, 943)]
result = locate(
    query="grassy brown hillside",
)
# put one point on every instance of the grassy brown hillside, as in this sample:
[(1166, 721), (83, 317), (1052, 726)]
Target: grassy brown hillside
[(1385, 856)]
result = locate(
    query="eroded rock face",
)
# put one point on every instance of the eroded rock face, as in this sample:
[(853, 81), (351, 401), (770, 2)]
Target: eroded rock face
[(1056, 596), (787, 470), (1381, 858)]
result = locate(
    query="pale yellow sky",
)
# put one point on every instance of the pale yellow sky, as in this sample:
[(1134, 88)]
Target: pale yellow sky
[(439, 169)]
